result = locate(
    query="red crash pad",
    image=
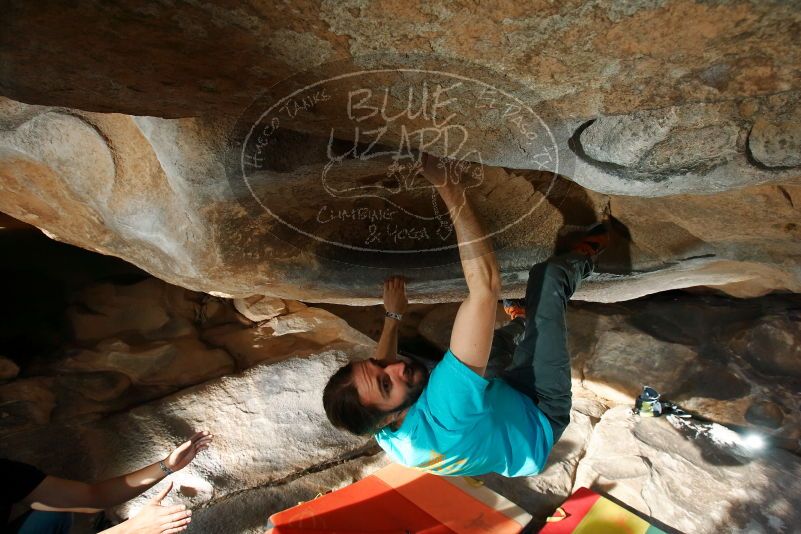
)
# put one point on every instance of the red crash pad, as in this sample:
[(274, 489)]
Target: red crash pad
[(400, 500)]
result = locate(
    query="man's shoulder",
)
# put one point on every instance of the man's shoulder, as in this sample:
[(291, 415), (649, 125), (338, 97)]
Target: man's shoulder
[(451, 364)]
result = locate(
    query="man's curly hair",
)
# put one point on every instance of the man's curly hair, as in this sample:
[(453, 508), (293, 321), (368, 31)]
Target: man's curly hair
[(342, 406)]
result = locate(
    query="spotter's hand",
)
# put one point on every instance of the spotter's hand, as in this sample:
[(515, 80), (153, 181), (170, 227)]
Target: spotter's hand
[(185, 453)]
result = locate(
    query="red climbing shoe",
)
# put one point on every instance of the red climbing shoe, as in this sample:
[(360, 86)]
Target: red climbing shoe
[(514, 308), (595, 241)]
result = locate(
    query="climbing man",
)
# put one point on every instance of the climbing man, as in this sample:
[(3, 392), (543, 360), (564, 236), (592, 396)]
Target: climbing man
[(456, 420)]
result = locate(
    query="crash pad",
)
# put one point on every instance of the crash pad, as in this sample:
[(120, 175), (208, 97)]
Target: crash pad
[(397, 499)]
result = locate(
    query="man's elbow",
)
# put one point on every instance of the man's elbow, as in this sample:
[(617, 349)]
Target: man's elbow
[(494, 288), (489, 286)]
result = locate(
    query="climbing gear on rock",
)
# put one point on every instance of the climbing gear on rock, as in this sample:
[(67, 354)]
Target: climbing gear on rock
[(648, 404)]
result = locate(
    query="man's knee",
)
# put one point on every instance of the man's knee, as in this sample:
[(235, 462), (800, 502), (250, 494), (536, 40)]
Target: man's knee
[(559, 415), (548, 291), (558, 427), (560, 275), (553, 270)]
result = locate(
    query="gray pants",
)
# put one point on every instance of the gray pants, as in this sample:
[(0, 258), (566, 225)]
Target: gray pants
[(531, 355)]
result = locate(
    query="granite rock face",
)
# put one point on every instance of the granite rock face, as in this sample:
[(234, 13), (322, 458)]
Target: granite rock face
[(730, 361), (265, 432), (181, 167), (775, 139), (772, 346), (585, 59), (8, 369), (156, 193), (689, 478), (694, 148), (679, 120), (258, 308), (692, 352), (151, 362), (136, 342)]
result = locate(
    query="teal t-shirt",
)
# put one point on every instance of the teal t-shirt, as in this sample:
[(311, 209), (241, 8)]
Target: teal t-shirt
[(464, 424)]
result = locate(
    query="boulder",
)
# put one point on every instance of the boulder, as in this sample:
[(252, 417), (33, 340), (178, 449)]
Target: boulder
[(273, 446), (108, 378), (140, 341), (8, 369), (144, 311), (687, 350), (151, 309), (690, 477), (304, 332), (167, 203), (26, 403), (605, 58), (258, 308), (693, 148), (623, 359), (131, 342), (179, 363), (775, 139), (772, 345), (86, 396), (265, 432)]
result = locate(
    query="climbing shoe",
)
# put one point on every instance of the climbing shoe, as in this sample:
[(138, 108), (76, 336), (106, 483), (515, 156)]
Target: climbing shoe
[(595, 241), (514, 308)]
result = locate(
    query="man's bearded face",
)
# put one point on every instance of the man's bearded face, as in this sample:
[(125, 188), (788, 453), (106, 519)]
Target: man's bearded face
[(390, 387)]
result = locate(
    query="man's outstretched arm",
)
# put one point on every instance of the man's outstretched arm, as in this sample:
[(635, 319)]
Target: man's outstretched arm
[(471, 338)]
